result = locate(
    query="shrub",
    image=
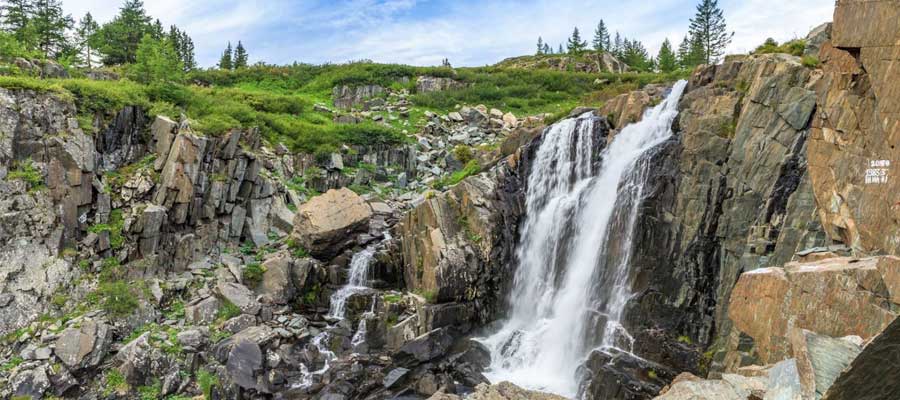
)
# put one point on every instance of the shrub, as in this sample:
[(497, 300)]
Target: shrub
[(794, 47), (28, 173), (253, 273), (471, 168), (207, 381), (463, 153), (810, 61), (118, 298), (227, 311)]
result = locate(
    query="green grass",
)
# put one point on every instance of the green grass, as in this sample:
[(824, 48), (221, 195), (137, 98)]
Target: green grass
[(206, 381), (28, 173), (794, 47), (114, 227), (11, 364), (227, 311), (253, 274), (114, 383), (471, 168)]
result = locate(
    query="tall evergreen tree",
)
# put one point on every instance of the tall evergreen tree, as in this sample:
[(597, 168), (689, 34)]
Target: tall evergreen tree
[(240, 56), (540, 46), (709, 29), (560, 51), (16, 15), (601, 38), (156, 60), (575, 45), (666, 60), (118, 39), (187, 52), (225, 62), (49, 25), (617, 46), (635, 55), (87, 27), (547, 49)]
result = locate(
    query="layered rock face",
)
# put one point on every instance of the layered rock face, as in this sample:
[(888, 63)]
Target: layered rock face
[(729, 194), (853, 152)]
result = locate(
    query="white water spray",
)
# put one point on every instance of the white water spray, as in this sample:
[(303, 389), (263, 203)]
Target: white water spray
[(573, 278)]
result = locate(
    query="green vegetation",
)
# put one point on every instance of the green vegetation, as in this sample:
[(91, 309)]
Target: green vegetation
[(794, 47), (28, 173), (207, 381), (810, 61), (685, 339), (151, 392), (117, 298), (471, 168), (114, 383), (430, 296), (13, 362), (253, 274), (114, 227), (227, 310), (392, 298)]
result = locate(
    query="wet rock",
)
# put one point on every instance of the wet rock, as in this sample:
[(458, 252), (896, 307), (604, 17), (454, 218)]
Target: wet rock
[(325, 225), (619, 375), (425, 348)]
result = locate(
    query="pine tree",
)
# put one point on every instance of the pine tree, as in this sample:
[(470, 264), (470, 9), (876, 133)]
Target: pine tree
[(119, 39), (617, 47), (601, 38), (49, 26), (709, 29), (187, 52), (684, 50), (157, 30), (540, 46), (666, 60), (560, 51), (87, 27), (575, 45), (225, 61), (240, 56), (156, 60), (446, 63), (547, 49), (635, 55), (16, 17)]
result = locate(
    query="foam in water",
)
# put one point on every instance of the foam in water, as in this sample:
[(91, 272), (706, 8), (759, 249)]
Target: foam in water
[(572, 281), (359, 278)]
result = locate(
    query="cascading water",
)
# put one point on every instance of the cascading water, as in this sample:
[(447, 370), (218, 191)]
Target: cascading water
[(573, 278), (359, 277)]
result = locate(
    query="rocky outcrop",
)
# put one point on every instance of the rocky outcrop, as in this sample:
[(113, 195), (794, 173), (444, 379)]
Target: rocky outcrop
[(853, 154), (500, 391), (347, 97), (589, 62), (426, 84), (629, 108), (868, 376), (325, 225), (850, 297)]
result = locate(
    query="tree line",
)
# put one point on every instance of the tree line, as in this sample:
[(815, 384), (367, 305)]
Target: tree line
[(705, 42), (132, 38)]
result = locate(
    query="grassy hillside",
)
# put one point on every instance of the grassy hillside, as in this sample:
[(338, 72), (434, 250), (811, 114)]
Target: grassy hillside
[(279, 99)]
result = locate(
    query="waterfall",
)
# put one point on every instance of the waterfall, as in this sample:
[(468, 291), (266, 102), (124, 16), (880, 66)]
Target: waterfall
[(572, 281), (359, 278)]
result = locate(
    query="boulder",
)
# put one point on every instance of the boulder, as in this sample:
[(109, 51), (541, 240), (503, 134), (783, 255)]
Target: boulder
[(244, 364), (820, 359), (277, 284), (835, 297), (871, 374), (426, 84), (347, 97), (425, 348), (240, 296), (326, 224), (85, 346), (201, 311)]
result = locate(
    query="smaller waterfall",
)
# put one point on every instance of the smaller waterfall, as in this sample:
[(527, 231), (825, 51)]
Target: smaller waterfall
[(359, 278)]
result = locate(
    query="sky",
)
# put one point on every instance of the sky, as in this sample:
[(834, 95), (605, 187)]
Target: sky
[(467, 32)]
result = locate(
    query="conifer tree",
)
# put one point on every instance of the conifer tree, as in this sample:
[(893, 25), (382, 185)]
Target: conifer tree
[(240, 56), (87, 27), (601, 38), (708, 29), (617, 46), (225, 62), (16, 15), (540, 46), (118, 39), (666, 60), (156, 60), (560, 51), (49, 24), (575, 45), (187, 52), (547, 49)]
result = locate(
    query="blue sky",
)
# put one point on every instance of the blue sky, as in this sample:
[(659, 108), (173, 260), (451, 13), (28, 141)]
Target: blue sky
[(468, 32)]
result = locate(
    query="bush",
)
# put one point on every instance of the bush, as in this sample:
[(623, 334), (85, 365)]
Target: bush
[(794, 47), (471, 168), (118, 298), (253, 274), (810, 61), (28, 173)]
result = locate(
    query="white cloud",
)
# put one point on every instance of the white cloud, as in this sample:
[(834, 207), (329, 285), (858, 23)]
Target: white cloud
[(467, 32)]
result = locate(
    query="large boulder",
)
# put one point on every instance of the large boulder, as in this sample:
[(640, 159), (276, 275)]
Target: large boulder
[(835, 297), (872, 374), (326, 224), (425, 84), (84, 346)]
